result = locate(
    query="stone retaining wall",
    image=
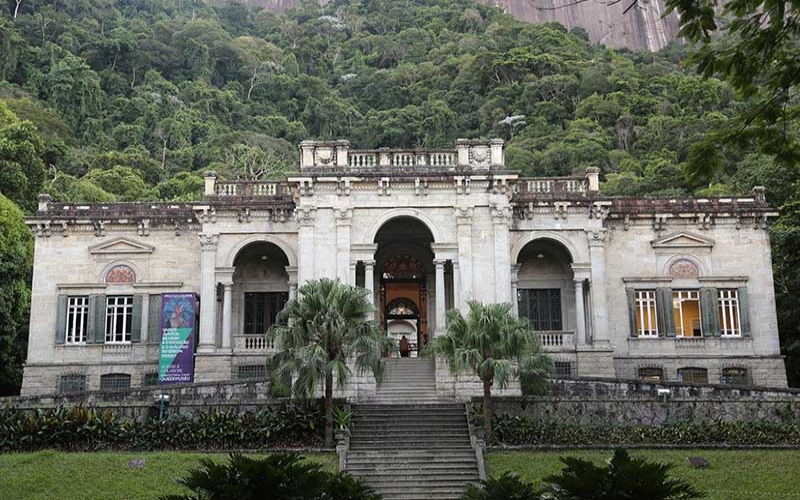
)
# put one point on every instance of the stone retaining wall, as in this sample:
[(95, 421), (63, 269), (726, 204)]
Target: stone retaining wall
[(632, 402), (143, 401)]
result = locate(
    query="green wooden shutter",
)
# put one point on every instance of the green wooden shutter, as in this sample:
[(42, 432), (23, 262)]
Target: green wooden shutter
[(709, 312), (154, 319), (522, 304), (61, 319), (97, 319), (632, 312), (666, 315), (136, 320), (744, 312)]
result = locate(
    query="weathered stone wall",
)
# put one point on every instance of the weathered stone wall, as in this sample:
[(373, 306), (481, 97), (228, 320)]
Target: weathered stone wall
[(597, 402), (142, 402)]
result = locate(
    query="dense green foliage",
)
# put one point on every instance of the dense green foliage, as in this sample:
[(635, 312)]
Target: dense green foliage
[(517, 431), (620, 478), (324, 329), (16, 256), (284, 476), (493, 344), (80, 428), (104, 100)]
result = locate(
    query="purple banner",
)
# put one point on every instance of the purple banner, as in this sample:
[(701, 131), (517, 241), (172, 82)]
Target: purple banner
[(176, 361)]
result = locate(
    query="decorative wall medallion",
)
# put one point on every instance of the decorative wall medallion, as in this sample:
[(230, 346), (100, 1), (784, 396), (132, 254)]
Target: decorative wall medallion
[(684, 268), (480, 155), (121, 274), (325, 156)]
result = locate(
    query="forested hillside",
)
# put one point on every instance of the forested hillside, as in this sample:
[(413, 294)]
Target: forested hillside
[(104, 100)]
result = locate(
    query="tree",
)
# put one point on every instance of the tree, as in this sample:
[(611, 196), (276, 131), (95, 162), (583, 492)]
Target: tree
[(622, 477), (16, 259), (326, 328), (21, 167), (493, 344)]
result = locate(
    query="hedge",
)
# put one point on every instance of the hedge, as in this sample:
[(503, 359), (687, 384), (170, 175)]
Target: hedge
[(80, 428)]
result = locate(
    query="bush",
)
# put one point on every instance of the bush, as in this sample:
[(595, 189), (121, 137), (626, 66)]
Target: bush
[(509, 486), (517, 431), (80, 428), (280, 476), (622, 477)]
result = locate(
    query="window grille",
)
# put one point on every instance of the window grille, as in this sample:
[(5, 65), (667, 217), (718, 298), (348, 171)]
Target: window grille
[(71, 383), (77, 319), (693, 375), (729, 313), (735, 376), (252, 371), (112, 381), (646, 319), (563, 369), (150, 379), (261, 310), (119, 319), (542, 308), (686, 308), (651, 374)]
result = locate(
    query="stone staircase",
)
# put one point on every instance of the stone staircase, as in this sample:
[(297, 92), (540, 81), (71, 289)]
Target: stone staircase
[(407, 443)]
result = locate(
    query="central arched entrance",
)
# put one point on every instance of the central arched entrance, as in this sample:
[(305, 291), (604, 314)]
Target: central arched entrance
[(405, 272)]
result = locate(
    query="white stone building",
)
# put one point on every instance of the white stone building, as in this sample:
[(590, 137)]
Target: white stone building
[(674, 289)]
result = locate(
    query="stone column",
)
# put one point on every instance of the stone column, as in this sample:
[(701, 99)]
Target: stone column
[(208, 292), (369, 282), (440, 302), (464, 221), (291, 271), (599, 312), (305, 243), (456, 285), (514, 284), (501, 217), (227, 315), (343, 223), (580, 314)]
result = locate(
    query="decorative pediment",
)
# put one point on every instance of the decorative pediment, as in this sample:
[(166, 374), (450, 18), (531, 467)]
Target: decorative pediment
[(120, 246), (683, 240)]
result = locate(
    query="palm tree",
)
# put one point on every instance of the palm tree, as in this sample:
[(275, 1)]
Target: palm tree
[(324, 329), (493, 344)]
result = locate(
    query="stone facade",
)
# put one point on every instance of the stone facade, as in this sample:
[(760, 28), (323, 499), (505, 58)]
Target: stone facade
[(430, 230)]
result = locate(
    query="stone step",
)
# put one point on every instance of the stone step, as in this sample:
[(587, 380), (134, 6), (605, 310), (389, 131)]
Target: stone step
[(407, 491), (427, 408), (429, 464), (409, 445), (420, 425), (402, 411), (402, 456), (418, 470)]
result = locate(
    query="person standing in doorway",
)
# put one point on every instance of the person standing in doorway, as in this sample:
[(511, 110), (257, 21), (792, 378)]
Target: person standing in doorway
[(405, 347)]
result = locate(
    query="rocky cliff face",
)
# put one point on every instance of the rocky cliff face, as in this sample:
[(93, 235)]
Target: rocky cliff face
[(641, 28)]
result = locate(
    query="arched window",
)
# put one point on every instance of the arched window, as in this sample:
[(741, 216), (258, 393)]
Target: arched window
[(691, 375), (112, 381), (651, 374), (402, 308), (735, 375)]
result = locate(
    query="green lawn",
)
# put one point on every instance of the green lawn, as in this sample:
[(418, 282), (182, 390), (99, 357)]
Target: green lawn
[(732, 475), (101, 476)]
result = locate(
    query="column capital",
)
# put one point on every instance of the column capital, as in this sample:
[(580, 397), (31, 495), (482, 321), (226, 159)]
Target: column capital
[(305, 215), (208, 242), (597, 237), (344, 216), (463, 215), (439, 263), (515, 272), (368, 263), (501, 214)]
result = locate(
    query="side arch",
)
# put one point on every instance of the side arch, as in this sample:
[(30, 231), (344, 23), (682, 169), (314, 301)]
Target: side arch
[(545, 235), (405, 212), (261, 238)]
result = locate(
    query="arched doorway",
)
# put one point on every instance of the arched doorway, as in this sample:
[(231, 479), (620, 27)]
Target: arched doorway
[(405, 278), (546, 287), (260, 288)]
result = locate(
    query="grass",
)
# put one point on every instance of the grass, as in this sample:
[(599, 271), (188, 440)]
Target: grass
[(102, 476), (732, 474)]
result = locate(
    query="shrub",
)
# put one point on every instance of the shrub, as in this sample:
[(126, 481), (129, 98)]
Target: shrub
[(280, 476), (622, 477), (509, 486), (80, 428), (516, 431)]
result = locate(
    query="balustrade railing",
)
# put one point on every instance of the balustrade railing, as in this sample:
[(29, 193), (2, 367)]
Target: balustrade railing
[(374, 158), (557, 340), (555, 185), (250, 188), (252, 343)]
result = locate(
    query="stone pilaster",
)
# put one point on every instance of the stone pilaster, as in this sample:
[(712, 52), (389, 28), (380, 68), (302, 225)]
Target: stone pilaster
[(440, 299), (305, 243), (501, 218), (343, 223), (464, 222), (369, 282), (208, 292), (597, 256)]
